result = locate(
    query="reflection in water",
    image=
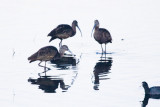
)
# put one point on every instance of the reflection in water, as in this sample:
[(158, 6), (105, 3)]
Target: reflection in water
[(145, 101), (47, 84), (50, 83), (101, 70), (64, 62), (147, 97)]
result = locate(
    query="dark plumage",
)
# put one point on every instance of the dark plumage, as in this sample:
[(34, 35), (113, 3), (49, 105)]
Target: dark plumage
[(44, 54), (64, 31), (153, 91), (101, 35), (48, 53)]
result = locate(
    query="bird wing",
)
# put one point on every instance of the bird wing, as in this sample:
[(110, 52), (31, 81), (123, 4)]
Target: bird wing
[(60, 29), (47, 52), (106, 34), (155, 90)]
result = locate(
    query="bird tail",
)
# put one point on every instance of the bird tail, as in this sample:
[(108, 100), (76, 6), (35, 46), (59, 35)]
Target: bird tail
[(52, 33), (52, 38), (33, 57)]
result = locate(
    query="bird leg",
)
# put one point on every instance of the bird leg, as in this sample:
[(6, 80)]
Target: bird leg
[(102, 49), (105, 52), (105, 48), (44, 66), (60, 44)]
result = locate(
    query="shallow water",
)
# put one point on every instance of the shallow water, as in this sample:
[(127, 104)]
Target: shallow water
[(113, 80)]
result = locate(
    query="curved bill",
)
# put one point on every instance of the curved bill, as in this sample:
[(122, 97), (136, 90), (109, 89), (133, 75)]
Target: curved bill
[(92, 30), (79, 30), (70, 52)]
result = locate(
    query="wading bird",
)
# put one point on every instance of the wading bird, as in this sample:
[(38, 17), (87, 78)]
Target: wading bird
[(64, 31), (48, 53), (101, 35)]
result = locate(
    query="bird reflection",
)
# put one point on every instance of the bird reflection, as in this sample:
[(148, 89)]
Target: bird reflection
[(50, 83), (65, 61), (47, 84), (147, 97), (101, 70), (145, 101)]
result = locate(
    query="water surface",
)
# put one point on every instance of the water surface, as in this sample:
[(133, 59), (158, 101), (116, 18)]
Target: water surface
[(111, 81)]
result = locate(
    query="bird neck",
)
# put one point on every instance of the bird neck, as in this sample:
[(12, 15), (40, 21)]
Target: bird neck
[(61, 52), (96, 28), (74, 28), (146, 89)]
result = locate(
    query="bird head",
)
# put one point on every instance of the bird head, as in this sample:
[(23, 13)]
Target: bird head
[(64, 48), (144, 84), (96, 24), (75, 23)]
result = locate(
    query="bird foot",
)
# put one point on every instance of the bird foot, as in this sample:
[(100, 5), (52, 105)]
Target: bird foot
[(49, 69), (104, 52), (39, 74)]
